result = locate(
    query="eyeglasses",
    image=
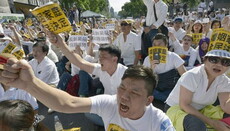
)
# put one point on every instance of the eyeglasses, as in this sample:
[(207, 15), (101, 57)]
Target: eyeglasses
[(124, 24), (224, 61)]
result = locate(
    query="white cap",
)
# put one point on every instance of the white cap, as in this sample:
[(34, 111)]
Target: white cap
[(219, 53)]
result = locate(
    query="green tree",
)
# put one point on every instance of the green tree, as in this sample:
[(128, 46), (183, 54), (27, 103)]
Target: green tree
[(134, 8), (98, 6)]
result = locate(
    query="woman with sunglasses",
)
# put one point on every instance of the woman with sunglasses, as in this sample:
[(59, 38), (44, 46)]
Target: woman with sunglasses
[(189, 105)]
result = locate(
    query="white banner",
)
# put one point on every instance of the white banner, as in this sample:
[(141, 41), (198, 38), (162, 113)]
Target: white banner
[(110, 26), (101, 36), (75, 40)]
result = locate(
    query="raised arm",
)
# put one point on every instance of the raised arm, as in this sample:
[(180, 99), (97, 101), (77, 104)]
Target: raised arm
[(185, 101), (73, 57), (19, 74)]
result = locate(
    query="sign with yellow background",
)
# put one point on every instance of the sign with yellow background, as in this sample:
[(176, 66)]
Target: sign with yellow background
[(161, 53), (220, 39), (52, 17), (9, 48), (196, 38)]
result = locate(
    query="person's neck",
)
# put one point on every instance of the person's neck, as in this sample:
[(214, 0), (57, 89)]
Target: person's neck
[(126, 33), (186, 48), (112, 70), (156, 1), (176, 28), (210, 77), (40, 60)]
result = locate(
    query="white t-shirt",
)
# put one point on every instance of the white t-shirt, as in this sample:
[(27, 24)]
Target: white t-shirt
[(190, 54), (17, 94), (45, 71), (128, 48), (152, 120), (178, 34), (196, 81), (173, 61), (110, 83)]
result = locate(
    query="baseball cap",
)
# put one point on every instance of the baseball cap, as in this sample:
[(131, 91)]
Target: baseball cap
[(128, 21), (178, 19), (218, 53), (197, 22)]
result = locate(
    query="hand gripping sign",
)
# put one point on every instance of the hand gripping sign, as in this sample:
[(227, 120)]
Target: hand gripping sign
[(158, 53), (52, 17)]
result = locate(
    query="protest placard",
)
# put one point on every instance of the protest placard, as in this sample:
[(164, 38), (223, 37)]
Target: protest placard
[(101, 36), (220, 39), (29, 22), (110, 26), (80, 40), (19, 54), (52, 17), (158, 53), (7, 48), (196, 38)]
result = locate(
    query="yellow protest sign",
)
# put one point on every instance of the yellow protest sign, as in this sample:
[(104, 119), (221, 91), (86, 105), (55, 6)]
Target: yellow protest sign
[(158, 53), (19, 54), (29, 22), (52, 17), (73, 129), (196, 38), (9, 48), (220, 39)]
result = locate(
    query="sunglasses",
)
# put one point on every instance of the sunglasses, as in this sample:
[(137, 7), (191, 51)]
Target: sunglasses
[(124, 24), (224, 61)]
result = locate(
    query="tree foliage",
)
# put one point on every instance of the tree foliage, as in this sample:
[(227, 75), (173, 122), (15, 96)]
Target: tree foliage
[(98, 6), (191, 3), (134, 8)]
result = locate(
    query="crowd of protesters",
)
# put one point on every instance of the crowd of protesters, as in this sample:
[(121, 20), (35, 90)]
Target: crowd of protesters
[(192, 81)]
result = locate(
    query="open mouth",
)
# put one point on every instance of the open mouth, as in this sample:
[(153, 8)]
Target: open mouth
[(124, 108), (216, 70), (186, 43)]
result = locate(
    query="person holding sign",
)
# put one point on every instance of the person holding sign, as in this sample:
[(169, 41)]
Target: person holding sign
[(168, 71), (130, 109), (129, 44), (184, 50), (189, 105)]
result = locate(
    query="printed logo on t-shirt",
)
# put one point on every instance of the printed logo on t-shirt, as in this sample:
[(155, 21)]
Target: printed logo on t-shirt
[(114, 127), (186, 59), (165, 124)]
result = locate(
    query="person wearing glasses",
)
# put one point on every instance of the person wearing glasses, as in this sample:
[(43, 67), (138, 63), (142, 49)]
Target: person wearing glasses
[(129, 44), (189, 105)]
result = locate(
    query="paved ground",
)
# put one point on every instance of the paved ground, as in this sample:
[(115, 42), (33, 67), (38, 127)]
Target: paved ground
[(74, 120), (68, 120)]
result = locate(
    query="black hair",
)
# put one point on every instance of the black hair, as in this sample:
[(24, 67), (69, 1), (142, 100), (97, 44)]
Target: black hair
[(160, 36), (142, 73), (215, 21), (45, 47), (16, 115), (112, 50)]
